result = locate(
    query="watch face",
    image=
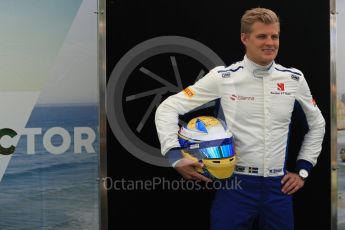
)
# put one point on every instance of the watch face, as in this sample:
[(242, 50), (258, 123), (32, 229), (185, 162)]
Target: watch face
[(303, 173)]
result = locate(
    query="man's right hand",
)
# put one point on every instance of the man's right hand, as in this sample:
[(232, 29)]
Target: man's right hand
[(188, 169)]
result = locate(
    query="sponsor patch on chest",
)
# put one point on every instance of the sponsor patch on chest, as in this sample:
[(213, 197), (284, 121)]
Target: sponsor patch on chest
[(234, 97), (280, 89)]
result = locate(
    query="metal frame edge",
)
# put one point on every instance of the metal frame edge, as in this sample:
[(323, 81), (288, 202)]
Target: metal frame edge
[(333, 122), (103, 195)]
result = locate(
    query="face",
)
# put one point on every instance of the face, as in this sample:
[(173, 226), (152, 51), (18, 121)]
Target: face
[(262, 43)]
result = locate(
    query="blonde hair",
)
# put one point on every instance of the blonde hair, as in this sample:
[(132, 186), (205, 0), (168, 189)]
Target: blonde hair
[(259, 14)]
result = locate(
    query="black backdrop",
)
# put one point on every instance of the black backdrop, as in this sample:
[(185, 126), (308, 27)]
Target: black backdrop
[(304, 45)]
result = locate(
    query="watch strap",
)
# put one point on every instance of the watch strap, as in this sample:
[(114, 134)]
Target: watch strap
[(303, 164)]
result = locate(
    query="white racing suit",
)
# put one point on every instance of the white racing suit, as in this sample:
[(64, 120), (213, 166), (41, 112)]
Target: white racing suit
[(257, 103)]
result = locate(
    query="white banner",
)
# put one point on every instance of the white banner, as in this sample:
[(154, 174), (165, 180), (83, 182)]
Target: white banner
[(49, 115)]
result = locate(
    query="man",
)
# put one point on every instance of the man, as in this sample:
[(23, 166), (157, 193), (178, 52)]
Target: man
[(257, 97)]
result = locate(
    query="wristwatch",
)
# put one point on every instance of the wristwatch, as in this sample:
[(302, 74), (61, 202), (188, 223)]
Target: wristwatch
[(303, 174)]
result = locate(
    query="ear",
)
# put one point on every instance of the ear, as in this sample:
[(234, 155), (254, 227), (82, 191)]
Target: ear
[(244, 38)]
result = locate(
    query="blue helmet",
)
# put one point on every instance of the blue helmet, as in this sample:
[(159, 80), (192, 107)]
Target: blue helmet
[(208, 140)]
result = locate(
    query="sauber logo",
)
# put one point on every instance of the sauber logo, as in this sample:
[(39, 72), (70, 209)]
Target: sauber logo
[(241, 98), (280, 90), (280, 87)]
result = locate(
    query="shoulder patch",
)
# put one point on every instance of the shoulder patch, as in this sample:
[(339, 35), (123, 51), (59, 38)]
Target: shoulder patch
[(188, 92), (295, 77), (225, 73)]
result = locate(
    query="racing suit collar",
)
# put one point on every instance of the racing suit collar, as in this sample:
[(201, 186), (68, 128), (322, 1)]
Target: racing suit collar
[(258, 71)]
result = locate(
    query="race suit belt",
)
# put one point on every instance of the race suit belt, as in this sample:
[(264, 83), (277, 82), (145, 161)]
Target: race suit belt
[(257, 171)]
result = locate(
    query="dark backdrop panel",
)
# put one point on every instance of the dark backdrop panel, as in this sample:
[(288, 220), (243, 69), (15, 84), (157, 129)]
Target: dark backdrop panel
[(216, 24)]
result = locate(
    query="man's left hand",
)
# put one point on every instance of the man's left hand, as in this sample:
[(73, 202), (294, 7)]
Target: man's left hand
[(291, 183)]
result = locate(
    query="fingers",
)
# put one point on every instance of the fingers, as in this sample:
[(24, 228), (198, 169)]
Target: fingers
[(197, 176), (192, 173), (290, 186), (285, 178), (189, 170), (293, 190), (291, 183)]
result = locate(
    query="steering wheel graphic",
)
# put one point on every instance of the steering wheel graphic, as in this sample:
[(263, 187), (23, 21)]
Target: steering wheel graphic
[(138, 69)]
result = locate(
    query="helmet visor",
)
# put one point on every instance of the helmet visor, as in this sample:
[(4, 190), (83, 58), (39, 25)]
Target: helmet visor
[(214, 149)]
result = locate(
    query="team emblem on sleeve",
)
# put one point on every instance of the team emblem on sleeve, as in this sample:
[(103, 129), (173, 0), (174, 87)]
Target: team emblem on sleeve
[(188, 92)]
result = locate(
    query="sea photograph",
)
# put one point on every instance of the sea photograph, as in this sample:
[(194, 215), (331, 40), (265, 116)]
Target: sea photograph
[(43, 190)]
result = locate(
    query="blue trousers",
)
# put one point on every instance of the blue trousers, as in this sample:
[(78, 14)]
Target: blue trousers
[(249, 199)]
